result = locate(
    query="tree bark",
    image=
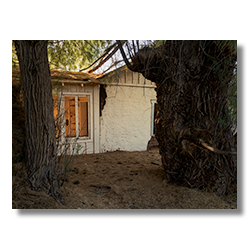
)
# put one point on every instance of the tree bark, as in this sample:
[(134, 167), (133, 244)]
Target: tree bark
[(40, 143), (192, 79)]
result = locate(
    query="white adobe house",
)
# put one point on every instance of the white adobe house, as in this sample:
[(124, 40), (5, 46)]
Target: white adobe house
[(104, 113), (108, 112), (127, 118)]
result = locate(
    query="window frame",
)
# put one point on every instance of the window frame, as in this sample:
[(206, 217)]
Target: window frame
[(90, 116), (153, 102)]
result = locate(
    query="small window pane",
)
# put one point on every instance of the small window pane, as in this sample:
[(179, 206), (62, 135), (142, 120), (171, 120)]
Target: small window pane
[(83, 116)]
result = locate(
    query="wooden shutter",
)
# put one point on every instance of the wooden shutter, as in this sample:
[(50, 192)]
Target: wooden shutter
[(83, 116), (70, 119)]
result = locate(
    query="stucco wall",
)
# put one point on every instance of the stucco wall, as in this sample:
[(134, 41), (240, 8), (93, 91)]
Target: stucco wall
[(126, 118)]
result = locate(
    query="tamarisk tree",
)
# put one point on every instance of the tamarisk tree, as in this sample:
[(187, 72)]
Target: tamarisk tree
[(40, 141), (194, 129)]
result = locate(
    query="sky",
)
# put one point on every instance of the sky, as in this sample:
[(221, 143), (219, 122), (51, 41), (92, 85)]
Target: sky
[(118, 57)]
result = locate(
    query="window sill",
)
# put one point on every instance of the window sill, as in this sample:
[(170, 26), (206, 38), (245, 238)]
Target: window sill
[(79, 139)]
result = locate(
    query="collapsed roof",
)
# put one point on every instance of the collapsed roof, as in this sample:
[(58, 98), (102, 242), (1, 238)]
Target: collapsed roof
[(69, 76)]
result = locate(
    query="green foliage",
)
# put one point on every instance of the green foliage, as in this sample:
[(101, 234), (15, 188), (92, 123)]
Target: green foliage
[(230, 45), (70, 54), (158, 43), (14, 56), (74, 54)]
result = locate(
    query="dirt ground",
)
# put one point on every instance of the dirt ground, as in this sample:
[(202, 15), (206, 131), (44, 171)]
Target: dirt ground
[(133, 180), (118, 180)]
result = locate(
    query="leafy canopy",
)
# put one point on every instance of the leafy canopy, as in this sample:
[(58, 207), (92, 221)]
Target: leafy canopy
[(71, 54), (74, 54)]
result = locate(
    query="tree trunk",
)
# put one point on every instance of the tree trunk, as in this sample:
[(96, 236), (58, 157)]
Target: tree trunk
[(40, 143), (192, 79)]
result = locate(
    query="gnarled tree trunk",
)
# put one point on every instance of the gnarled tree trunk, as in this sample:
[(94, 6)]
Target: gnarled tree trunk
[(194, 130), (40, 143)]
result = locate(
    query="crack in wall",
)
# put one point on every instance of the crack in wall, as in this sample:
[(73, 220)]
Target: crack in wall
[(103, 96)]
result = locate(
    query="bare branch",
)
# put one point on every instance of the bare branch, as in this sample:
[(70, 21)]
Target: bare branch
[(124, 55), (215, 150), (104, 59), (101, 57)]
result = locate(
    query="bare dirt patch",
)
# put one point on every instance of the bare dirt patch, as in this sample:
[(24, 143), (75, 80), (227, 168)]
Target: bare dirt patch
[(118, 180), (133, 180)]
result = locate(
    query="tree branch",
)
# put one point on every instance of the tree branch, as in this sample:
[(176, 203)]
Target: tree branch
[(101, 57), (123, 55), (215, 150), (103, 60)]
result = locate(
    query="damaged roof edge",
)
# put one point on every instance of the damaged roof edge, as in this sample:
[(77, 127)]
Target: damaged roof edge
[(66, 76), (112, 72), (69, 76), (73, 81)]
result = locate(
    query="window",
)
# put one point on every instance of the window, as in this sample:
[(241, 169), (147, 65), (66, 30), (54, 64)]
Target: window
[(75, 116)]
